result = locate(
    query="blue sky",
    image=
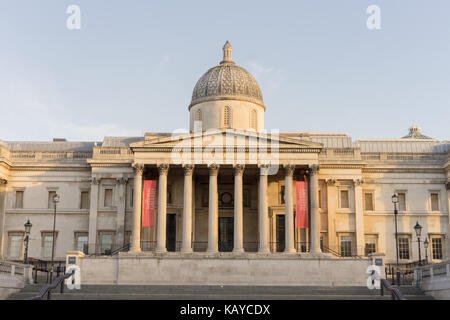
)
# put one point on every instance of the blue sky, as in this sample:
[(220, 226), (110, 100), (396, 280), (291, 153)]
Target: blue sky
[(133, 65)]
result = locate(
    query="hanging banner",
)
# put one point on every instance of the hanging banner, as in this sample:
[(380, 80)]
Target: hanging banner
[(149, 208), (301, 192)]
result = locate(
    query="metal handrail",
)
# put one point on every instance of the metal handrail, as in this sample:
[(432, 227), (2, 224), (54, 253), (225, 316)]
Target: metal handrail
[(337, 254), (48, 288), (395, 293)]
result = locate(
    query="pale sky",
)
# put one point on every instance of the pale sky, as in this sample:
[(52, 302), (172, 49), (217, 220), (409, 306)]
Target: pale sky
[(132, 66)]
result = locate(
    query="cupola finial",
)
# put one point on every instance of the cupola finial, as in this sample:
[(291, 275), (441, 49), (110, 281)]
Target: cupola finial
[(227, 53)]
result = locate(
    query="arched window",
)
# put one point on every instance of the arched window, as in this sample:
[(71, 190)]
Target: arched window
[(198, 115), (227, 117), (253, 120)]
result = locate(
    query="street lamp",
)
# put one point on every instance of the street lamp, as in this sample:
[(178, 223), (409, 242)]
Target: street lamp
[(425, 246), (27, 226), (55, 201), (418, 229), (395, 201)]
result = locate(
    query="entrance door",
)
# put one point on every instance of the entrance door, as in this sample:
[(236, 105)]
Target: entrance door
[(280, 233), (226, 234), (171, 232)]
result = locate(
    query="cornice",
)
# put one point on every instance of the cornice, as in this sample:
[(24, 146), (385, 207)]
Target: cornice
[(402, 170), (45, 168)]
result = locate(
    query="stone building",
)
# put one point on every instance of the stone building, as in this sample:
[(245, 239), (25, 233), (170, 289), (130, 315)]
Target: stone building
[(225, 185)]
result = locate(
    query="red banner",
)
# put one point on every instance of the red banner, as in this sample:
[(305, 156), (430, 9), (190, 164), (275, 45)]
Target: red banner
[(301, 192), (148, 212)]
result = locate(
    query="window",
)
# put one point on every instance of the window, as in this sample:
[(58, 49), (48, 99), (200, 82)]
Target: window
[(51, 204), (47, 243), (368, 201), (108, 198), (434, 197), (401, 201), (282, 192), (403, 247), (346, 246), (15, 242), (198, 115), (253, 120), (436, 248), (371, 244), (227, 117), (344, 199), (169, 194), (19, 200), (320, 198), (84, 200), (82, 242), (106, 242)]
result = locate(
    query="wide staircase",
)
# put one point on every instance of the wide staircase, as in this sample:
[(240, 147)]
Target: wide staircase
[(147, 292)]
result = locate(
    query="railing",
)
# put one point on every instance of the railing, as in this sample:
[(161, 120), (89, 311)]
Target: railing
[(403, 274), (325, 249), (395, 293), (11, 268), (44, 266), (46, 291), (439, 272)]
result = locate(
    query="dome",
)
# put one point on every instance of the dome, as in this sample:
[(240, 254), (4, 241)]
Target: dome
[(227, 81)]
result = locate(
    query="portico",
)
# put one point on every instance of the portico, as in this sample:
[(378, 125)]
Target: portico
[(223, 206)]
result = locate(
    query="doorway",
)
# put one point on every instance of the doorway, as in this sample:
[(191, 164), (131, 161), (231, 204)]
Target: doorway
[(171, 232), (280, 227), (226, 234)]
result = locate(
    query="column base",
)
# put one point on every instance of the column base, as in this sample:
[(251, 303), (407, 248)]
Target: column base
[(316, 251), (186, 250), (160, 250), (292, 250), (264, 251), (238, 250)]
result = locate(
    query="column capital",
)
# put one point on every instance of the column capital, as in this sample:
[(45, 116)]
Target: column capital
[(122, 180), (447, 185), (163, 168), (188, 169), (95, 181), (330, 182), (289, 169), (3, 181), (213, 169), (239, 169), (314, 169), (358, 182), (138, 168), (264, 169)]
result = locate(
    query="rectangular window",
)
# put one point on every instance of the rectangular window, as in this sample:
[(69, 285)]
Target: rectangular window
[(106, 243), (47, 243), (108, 198), (346, 246), (371, 244), (401, 201), (82, 243), (403, 247), (84, 200), (51, 204), (19, 200), (282, 191), (344, 199), (320, 199), (15, 246), (368, 201), (434, 202), (131, 198), (436, 248), (169, 194)]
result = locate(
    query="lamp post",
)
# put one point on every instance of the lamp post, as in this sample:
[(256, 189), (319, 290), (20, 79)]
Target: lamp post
[(418, 229), (425, 246), (395, 201), (27, 226), (55, 201)]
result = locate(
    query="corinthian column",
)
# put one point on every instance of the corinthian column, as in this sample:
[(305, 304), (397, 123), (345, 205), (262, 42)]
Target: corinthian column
[(289, 209), (315, 214), (136, 236), (263, 211), (93, 210), (359, 217), (238, 209), (186, 245), (163, 170), (447, 186), (213, 209), (120, 222), (3, 238)]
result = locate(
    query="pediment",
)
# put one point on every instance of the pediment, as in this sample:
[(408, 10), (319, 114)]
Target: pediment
[(224, 138)]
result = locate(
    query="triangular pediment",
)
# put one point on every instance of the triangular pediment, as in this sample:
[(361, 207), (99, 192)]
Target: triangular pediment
[(224, 138)]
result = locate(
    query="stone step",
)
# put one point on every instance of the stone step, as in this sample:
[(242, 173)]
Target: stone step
[(127, 292)]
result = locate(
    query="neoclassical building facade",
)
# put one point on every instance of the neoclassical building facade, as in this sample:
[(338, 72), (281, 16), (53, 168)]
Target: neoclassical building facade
[(226, 185)]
